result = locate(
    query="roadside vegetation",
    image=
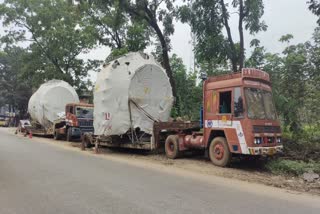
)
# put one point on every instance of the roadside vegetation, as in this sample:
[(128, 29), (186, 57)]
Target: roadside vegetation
[(301, 154)]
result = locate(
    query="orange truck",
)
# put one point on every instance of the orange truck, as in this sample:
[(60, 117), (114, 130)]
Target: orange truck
[(78, 119), (238, 118)]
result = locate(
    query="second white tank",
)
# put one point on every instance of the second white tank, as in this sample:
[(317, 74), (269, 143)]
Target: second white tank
[(50, 100)]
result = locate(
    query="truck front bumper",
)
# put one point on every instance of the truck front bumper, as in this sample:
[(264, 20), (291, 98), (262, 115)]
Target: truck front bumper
[(269, 151), (76, 132)]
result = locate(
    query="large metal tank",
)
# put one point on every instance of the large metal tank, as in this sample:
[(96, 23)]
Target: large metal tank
[(131, 91), (50, 100)]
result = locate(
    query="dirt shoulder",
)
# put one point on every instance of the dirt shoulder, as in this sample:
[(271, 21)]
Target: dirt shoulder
[(243, 170)]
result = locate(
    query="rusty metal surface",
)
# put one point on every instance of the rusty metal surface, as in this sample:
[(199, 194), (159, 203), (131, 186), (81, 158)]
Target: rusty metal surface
[(245, 73), (193, 141), (107, 141), (39, 131), (176, 127), (80, 104), (146, 146), (158, 126)]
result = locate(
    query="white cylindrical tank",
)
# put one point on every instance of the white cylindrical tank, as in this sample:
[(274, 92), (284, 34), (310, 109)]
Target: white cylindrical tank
[(50, 100), (133, 83)]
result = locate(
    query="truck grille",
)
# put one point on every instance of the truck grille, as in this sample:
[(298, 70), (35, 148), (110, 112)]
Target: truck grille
[(85, 123), (266, 129)]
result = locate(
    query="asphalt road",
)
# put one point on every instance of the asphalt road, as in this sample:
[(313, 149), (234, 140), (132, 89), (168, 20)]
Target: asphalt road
[(41, 178)]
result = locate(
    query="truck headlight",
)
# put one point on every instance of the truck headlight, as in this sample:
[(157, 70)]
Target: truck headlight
[(279, 140), (270, 139), (257, 140)]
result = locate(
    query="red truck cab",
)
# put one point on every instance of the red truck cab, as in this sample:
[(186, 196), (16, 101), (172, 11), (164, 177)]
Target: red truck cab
[(78, 120), (239, 117)]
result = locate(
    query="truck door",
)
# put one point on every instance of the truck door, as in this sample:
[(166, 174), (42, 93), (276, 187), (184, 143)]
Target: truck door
[(237, 104), (225, 106)]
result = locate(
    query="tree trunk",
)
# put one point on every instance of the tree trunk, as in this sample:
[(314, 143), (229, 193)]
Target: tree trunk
[(165, 56), (241, 16), (149, 17), (166, 62), (233, 54)]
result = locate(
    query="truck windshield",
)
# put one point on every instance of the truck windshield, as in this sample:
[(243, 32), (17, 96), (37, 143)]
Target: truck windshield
[(260, 104), (84, 112)]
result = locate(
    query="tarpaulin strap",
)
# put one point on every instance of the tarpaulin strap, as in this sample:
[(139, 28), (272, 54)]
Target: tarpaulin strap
[(144, 111)]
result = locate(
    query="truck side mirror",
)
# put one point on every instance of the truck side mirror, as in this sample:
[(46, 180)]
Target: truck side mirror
[(238, 108)]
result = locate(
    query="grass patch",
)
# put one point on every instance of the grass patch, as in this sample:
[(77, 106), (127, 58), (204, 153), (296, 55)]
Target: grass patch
[(292, 167)]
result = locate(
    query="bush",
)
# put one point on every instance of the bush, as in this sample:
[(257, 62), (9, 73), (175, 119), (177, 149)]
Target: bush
[(292, 167), (304, 145)]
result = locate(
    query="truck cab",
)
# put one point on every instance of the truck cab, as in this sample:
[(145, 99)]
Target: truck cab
[(78, 120), (239, 118), (239, 109)]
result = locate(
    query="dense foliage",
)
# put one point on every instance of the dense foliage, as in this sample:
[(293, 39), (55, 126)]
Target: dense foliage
[(55, 36), (208, 20), (15, 90)]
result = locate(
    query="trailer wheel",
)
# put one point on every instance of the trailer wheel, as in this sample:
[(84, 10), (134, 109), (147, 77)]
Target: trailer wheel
[(172, 147), (69, 135), (219, 152)]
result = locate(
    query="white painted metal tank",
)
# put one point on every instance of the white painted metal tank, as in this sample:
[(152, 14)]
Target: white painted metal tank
[(133, 83), (50, 100)]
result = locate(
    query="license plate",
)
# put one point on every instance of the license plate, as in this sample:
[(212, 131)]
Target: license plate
[(271, 151)]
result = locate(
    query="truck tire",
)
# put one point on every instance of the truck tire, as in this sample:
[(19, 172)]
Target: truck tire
[(172, 147), (56, 135), (219, 152), (69, 135), (86, 142)]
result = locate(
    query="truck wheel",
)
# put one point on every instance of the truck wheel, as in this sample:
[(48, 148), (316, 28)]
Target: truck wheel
[(69, 135), (56, 135), (219, 152), (86, 142), (172, 147)]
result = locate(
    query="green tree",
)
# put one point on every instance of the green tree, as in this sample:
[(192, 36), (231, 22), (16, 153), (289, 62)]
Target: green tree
[(14, 89), (208, 19), (112, 26), (56, 34), (256, 60), (295, 80), (154, 13), (312, 102), (314, 7), (189, 94)]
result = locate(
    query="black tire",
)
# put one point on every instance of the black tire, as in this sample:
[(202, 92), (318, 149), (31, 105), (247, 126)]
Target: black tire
[(172, 147), (219, 152), (86, 142), (69, 135), (56, 135)]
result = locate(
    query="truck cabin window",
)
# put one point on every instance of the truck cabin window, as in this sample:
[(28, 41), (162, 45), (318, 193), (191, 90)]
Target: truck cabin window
[(84, 112), (225, 102), (238, 103), (260, 104), (71, 109)]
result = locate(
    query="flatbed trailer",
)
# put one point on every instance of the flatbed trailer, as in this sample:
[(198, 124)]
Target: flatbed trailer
[(37, 129), (161, 130)]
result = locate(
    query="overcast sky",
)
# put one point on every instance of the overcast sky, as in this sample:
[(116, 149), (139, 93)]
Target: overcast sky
[(281, 16)]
